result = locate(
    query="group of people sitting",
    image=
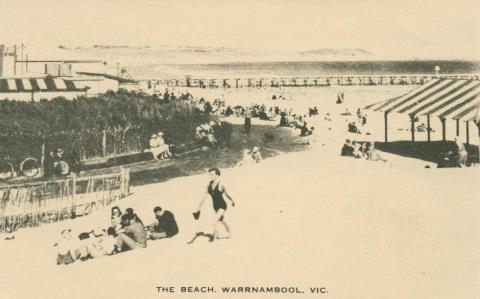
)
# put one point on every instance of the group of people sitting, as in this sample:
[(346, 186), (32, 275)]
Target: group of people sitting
[(280, 97), (250, 156), (458, 157), (207, 134), (127, 232), (260, 111), (160, 150), (360, 150), (59, 164)]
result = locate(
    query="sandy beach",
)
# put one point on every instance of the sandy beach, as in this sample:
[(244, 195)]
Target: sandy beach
[(315, 219)]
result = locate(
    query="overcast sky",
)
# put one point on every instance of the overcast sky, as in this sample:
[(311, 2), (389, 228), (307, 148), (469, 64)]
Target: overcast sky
[(436, 28)]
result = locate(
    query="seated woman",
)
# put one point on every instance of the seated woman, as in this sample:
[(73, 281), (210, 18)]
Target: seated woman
[(357, 153), (373, 154), (462, 154), (247, 158), (256, 156), (154, 149), (162, 148), (116, 218)]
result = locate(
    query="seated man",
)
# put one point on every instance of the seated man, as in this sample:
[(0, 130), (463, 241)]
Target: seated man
[(347, 149), (352, 128), (305, 131), (164, 226), (132, 236)]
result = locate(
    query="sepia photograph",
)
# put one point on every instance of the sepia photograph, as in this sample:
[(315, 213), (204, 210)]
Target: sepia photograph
[(240, 149)]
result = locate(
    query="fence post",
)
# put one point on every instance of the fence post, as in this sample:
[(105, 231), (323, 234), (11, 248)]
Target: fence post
[(125, 182), (74, 191), (42, 159), (104, 143)]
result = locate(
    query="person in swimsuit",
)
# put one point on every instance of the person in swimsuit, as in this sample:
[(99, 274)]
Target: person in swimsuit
[(218, 193)]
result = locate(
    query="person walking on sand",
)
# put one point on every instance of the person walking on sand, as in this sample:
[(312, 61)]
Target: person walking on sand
[(218, 193)]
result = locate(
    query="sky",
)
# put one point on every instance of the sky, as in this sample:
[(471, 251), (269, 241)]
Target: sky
[(388, 28)]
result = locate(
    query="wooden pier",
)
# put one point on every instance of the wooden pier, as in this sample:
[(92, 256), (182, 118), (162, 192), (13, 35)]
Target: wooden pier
[(305, 81)]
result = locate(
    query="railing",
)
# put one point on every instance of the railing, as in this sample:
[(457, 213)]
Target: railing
[(34, 203)]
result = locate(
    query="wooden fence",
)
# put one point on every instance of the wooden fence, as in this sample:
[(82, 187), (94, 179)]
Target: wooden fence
[(35, 203)]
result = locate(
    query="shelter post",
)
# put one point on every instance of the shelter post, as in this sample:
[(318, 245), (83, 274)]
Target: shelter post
[(478, 130), (386, 125), (429, 129), (444, 128), (458, 128), (467, 131)]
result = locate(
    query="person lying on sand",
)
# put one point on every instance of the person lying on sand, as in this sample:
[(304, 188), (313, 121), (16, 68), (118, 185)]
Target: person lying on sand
[(65, 248), (101, 243)]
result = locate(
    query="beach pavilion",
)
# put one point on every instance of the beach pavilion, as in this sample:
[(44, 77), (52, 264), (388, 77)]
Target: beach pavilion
[(442, 98)]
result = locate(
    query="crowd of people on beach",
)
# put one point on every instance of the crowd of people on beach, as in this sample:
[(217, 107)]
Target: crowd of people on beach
[(127, 232)]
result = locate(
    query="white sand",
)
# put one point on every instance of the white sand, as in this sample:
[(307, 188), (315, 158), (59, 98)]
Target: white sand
[(307, 219)]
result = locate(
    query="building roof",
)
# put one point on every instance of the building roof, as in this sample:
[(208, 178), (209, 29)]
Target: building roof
[(444, 98), (47, 84)]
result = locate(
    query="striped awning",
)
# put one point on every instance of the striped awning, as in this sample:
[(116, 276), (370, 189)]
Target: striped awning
[(47, 84), (444, 98)]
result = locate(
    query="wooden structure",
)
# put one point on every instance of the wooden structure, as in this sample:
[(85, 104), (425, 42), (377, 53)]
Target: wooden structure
[(443, 98), (35, 203)]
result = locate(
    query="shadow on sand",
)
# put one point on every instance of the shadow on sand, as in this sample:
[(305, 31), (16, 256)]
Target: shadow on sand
[(431, 151)]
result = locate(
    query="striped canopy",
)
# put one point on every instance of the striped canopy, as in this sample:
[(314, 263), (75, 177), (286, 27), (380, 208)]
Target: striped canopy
[(37, 84), (444, 98)]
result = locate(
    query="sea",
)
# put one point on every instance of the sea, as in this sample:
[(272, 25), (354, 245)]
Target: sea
[(307, 69)]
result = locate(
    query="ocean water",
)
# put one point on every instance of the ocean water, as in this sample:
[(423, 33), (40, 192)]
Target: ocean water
[(332, 68), (303, 68)]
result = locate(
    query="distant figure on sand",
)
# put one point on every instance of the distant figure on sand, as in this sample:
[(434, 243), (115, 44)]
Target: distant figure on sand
[(340, 98), (218, 193), (247, 124)]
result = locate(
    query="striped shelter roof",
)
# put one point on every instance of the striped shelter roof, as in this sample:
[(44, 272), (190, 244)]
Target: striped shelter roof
[(444, 98), (37, 84)]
